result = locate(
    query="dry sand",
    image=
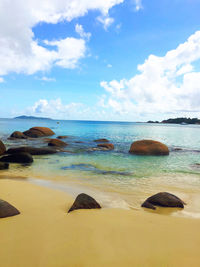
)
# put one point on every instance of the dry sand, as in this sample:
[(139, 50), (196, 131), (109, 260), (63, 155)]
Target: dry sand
[(44, 234)]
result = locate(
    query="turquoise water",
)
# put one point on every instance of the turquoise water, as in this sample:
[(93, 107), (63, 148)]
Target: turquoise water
[(132, 177)]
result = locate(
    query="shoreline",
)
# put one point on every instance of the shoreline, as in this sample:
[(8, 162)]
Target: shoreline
[(44, 234), (114, 199)]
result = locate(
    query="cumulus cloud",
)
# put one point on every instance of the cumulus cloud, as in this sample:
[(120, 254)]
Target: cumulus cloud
[(168, 84), (21, 53), (56, 109)]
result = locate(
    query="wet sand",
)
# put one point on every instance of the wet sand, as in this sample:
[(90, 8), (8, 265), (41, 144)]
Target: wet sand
[(44, 234)]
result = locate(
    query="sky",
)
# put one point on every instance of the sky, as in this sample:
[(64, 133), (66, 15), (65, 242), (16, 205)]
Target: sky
[(113, 60)]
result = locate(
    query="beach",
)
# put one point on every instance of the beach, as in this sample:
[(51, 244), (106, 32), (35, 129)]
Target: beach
[(44, 234), (121, 233)]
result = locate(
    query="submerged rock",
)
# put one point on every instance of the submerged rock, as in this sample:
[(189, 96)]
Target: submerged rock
[(97, 149), (177, 149), (57, 142), (149, 147), (163, 199), (84, 201), (4, 165), (32, 150), (102, 140), (18, 135), (7, 210), (18, 158), (94, 169), (2, 148), (62, 136), (36, 132), (108, 146)]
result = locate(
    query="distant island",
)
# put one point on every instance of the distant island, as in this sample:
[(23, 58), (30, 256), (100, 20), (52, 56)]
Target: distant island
[(31, 118), (179, 121)]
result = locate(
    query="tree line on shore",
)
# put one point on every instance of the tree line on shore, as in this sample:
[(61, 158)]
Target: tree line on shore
[(179, 121)]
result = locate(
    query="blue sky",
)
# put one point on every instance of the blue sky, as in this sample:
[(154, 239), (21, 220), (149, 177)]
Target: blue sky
[(120, 60)]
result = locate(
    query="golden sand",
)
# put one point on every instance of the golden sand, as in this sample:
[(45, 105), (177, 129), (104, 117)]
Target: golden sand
[(44, 234)]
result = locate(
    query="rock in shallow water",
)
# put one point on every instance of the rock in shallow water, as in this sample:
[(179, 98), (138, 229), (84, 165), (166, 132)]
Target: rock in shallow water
[(102, 140), (18, 158), (163, 199), (7, 210), (57, 143), (62, 136), (149, 147), (36, 132), (84, 201), (107, 146), (2, 148), (4, 165), (32, 150), (18, 135)]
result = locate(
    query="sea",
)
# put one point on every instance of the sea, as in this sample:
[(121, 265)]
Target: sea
[(115, 178)]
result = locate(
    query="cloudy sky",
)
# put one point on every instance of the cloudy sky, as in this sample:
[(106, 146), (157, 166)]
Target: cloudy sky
[(125, 60)]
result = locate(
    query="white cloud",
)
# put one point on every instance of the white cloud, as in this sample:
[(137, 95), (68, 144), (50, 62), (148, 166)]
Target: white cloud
[(1, 80), (21, 53), (138, 4), (106, 21), (79, 29), (56, 109), (47, 79), (168, 84), (68, 51), (109, 66)]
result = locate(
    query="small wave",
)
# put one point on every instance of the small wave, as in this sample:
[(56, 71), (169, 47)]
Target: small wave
[(106, 200)]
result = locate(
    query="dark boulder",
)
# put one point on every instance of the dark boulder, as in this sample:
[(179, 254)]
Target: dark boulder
[(107, 146), (57, 143), (18, 135), (36, 132), (2, 148), (32, 150), (18, 158), (7, 210), (102, 140), (62, 136), (163, 199), (149, 147), (4, 165), (84, 201)]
